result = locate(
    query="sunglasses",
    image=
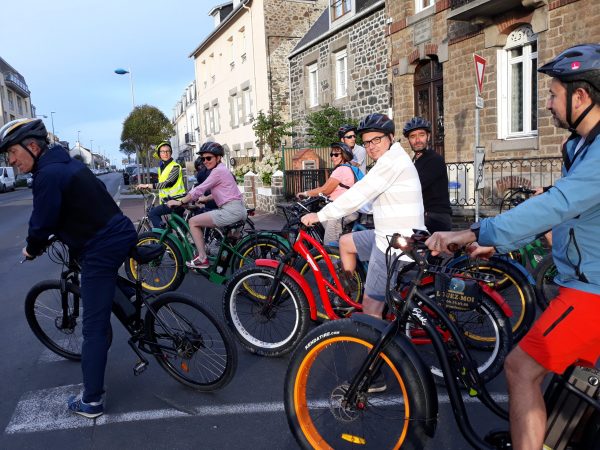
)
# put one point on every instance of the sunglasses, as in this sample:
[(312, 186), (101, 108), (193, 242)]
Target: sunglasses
[(352, 136), (207, 158), (334, 154)]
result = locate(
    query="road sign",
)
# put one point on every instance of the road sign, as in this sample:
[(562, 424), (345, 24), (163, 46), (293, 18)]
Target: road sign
[(480, 63), (478, 102)]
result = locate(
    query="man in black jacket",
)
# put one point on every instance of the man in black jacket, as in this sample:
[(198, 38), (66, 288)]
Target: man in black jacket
[(72, 204), (432, 174)]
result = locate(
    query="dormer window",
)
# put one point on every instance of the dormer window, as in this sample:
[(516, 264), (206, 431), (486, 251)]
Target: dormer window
[(340, 8)]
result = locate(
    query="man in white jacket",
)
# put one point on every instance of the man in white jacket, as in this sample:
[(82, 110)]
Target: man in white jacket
[(393, 188)]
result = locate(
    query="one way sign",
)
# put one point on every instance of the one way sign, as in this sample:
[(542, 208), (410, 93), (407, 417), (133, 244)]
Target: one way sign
[(480, 63)]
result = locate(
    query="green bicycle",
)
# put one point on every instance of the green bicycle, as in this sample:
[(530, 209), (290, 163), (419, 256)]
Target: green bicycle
[(228, 248)]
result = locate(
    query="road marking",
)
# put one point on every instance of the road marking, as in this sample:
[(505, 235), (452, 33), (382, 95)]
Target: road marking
[(45, 410)]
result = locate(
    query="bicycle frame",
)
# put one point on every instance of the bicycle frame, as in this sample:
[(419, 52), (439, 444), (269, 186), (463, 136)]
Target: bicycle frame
[(300, 249)]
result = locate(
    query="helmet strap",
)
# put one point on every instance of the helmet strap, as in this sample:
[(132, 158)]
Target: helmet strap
[(573, 125), (34, 157)]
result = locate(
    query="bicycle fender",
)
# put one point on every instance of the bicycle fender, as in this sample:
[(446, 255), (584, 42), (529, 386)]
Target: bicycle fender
[(497, 298), (265, 234), (504, 258), (299, 279)]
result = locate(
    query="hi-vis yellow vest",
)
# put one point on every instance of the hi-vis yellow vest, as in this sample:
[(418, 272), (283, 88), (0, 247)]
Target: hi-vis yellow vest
[(178, 189)]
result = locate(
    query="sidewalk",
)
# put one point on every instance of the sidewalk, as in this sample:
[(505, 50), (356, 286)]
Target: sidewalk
[(133, 207)]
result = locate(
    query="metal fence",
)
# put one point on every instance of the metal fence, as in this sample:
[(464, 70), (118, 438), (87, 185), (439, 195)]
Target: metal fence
[(497, 176)]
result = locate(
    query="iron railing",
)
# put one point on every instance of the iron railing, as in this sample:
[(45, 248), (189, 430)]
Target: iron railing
[(497, 176)]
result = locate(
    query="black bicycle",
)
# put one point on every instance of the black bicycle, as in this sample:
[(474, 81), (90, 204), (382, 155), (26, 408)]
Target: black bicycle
[(185, 337), (333, 396)]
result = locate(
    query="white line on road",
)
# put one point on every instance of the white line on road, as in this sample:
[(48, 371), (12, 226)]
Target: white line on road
[(45, 410)]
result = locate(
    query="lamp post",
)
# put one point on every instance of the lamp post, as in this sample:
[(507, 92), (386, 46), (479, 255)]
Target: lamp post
[(123, 72), (52, 119), (92, 153)]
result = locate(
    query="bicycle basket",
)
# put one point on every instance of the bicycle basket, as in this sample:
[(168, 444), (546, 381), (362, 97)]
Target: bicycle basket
[(458, 289)]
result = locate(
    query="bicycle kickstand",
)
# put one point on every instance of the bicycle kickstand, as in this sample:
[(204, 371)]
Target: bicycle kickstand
[(142, 364)]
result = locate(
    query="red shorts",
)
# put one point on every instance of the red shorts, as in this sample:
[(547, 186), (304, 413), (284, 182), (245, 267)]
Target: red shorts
[(567, 332)]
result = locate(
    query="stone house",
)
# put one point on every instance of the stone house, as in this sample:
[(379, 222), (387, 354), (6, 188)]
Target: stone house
[(341, 61), (241, 67)]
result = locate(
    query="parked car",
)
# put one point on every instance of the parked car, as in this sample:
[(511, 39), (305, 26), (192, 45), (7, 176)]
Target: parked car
[(24, 179), (134, 178), (7, 179)]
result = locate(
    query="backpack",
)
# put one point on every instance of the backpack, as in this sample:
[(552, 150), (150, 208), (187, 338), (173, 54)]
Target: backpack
[(358, 175)]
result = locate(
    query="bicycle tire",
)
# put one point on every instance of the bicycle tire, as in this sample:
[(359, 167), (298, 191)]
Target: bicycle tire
[(272, 332), (43, 310), (485, 331), (257, 247), (545, 287), (164, 274), (514, 287), (358, 278), (203, 354), (319, 373)]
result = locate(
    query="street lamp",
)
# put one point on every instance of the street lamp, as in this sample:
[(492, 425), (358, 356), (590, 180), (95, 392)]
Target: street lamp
[(123, 72), (92, 153), (52, 119)]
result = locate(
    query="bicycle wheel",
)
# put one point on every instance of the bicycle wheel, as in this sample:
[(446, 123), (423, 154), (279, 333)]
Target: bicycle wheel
[(485, 330), (358, 280), (545, 287), (514, 287), (190, 343), (164, 273), (256, 247), (319, 374), (269, 329), (44, 313)]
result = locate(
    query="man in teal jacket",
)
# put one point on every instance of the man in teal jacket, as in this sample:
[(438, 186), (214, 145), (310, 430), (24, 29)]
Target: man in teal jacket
[(567, 332)]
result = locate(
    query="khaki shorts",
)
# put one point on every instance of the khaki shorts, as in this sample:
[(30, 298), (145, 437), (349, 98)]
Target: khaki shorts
[(230, 212)]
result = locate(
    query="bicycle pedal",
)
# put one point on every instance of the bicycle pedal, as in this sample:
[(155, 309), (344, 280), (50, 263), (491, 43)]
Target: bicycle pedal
[(499, 439), (139, 367)]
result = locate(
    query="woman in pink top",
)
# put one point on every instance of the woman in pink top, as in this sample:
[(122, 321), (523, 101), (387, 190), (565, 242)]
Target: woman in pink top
[(224, 192), (340, 180)]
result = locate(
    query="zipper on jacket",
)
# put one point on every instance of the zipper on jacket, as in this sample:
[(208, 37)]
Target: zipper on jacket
[(580, 275)]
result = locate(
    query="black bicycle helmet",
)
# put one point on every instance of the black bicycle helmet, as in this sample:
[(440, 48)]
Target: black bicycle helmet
[(577, 63), (416, 123), (346, 150), (213, 148), (18, 130), (376, 122), (198, 163), (161, 144), (344, 129)]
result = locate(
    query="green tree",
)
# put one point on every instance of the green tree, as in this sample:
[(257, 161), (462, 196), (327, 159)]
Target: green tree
[(145, 127), (270, 129), (323, 126)]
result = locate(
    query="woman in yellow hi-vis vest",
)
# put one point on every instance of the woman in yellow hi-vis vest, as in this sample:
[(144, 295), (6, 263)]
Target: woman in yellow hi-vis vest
[(170, 183)]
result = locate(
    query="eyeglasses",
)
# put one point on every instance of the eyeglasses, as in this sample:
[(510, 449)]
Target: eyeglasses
[(352, 136), (164, 151), (334, 154), (207, 158), (374, 141)]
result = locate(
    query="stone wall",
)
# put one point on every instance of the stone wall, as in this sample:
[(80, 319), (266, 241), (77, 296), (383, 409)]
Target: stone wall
[(366, 46), (558, 25), (263, 198), (286, 21)]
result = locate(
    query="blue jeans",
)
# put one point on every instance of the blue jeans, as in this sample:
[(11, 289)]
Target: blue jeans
[(101, 258), (155, 214)]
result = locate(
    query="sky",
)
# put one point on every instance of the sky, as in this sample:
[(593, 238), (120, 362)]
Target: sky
[(67, 52)]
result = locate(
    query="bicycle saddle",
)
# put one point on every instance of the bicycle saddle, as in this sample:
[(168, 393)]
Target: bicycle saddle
[(146, 253)]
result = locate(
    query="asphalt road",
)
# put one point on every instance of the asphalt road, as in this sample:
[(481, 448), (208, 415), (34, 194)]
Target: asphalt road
[(152, 410)]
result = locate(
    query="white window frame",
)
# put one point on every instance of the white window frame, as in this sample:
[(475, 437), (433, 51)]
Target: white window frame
[(347, 7), (313, 85), (235, 111), (521, 37), (247, 101), (421, 5), (217, 118), (341, 74)]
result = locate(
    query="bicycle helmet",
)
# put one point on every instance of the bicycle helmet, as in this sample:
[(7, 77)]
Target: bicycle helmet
[(198, 163), (213, 148), (347, 154), (16, 131), (416, 123), (577, 63), (344, 129), (376, 122), (159, 145)]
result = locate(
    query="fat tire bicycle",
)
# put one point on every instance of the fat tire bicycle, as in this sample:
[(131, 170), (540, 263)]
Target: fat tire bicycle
[(185, 338), (329, 400)]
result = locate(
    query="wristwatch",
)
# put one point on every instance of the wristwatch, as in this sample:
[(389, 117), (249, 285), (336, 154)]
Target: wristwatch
[(475, 229)]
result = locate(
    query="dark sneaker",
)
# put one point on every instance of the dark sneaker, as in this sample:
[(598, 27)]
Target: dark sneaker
[(197, 263), (90, 410), (378, 384)]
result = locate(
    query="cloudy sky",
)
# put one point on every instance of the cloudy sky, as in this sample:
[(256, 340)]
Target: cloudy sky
[(67, 50)]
